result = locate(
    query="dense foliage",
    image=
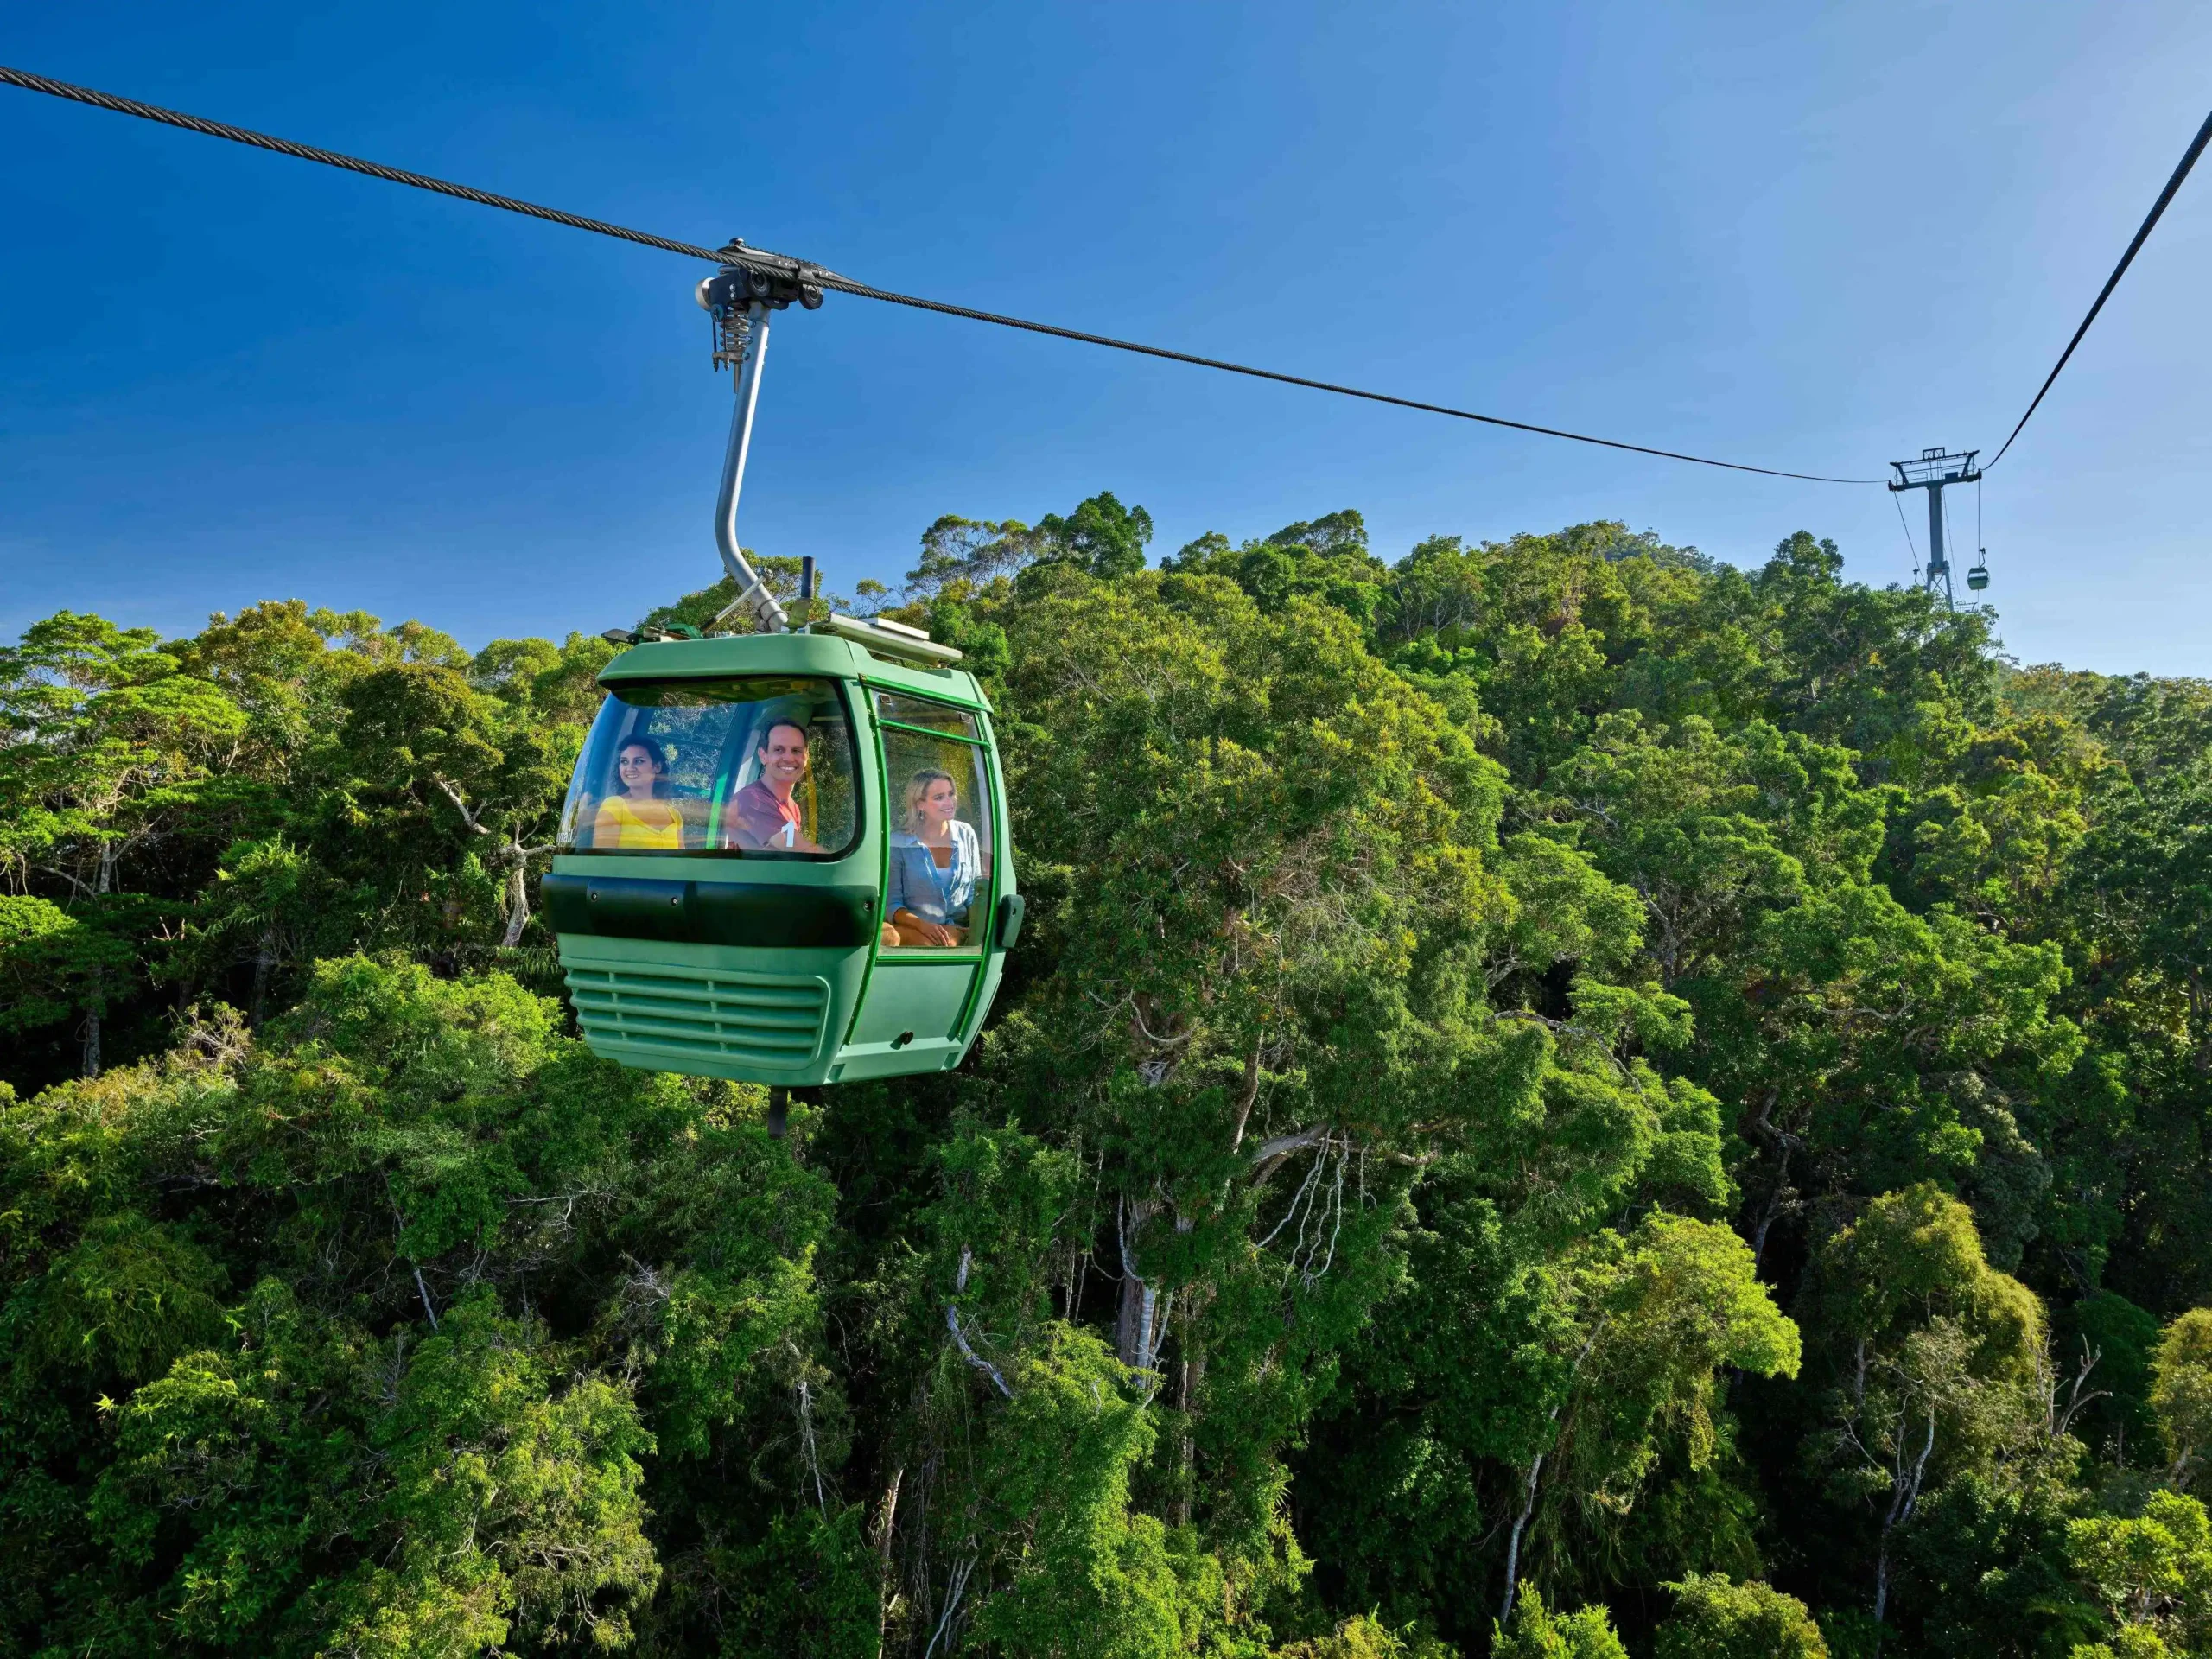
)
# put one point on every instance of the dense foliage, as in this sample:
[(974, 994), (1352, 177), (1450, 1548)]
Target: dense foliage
[(1559, 1098)]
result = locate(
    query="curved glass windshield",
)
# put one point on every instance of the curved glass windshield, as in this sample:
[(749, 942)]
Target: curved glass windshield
[(762, 766)]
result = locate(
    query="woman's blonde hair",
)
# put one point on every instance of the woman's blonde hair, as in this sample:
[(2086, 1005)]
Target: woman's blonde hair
[(917, 789)]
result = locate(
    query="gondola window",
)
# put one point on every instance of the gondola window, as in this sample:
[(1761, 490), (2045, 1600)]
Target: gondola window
[(755, 766), (938, 871)]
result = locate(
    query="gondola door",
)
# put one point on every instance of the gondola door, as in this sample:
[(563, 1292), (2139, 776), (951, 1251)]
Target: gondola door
[(941, 880)]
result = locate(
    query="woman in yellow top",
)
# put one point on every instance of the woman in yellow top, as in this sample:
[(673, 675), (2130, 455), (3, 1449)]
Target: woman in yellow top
[(639, 817)]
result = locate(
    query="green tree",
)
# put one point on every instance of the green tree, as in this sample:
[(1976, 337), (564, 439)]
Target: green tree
[(1101, 537), (1714, 1619), (1536, 1632), (963, 555), (2181, 1391), (54, 964), (1932, 1362), (434, 761), (104, 747), (1467, 999), (2152, 1571)]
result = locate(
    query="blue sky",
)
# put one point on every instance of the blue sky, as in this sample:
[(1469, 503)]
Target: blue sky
[(1817, 237)]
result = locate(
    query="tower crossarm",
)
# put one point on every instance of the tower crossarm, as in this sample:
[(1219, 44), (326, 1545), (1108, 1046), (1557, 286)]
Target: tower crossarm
[(1933, 468)]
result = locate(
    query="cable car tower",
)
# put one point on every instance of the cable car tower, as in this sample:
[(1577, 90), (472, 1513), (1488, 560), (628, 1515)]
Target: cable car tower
[(1931, 471)]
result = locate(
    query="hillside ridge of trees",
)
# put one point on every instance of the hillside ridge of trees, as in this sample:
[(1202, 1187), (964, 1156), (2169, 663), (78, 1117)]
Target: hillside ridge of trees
[(1558, 1099)]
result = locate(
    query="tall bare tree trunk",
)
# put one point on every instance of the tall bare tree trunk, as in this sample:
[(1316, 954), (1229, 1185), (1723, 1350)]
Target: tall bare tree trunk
[(517, 895), (1536, 1473), (1513, 1545), (1773, 1207), (1191, 1374), (1193, 1377), (1904, 1498), (91, 1059), (1133, 1324), (2202, 1058), (886, 1517), (264, 958)]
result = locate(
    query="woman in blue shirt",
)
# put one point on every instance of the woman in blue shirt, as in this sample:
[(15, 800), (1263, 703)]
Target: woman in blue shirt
[(935, 865)]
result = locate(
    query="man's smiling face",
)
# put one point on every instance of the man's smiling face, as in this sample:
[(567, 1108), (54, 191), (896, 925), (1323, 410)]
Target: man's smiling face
[(783, 759)]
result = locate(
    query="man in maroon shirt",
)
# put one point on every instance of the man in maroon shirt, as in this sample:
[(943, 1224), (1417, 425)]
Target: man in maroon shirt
[(768, 818)]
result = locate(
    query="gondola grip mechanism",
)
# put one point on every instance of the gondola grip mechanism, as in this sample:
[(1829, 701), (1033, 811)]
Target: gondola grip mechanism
[(740, 299)]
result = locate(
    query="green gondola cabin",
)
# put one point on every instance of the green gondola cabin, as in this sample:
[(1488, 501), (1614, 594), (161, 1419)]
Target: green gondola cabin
[(783, 859)]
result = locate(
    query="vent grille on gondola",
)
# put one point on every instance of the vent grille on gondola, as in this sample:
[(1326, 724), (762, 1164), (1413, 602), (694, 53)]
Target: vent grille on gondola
[(677, 1012)]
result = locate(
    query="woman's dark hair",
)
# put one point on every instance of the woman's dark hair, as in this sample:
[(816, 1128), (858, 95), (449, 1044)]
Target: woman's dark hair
[(651, 746)]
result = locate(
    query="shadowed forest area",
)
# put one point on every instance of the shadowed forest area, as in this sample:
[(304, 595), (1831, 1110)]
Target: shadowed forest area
[(1559, 1099)]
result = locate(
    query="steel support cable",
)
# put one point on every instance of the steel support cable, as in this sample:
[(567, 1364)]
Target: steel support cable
[(761, 259), (2157, 208), (844, 285), (97, 99)]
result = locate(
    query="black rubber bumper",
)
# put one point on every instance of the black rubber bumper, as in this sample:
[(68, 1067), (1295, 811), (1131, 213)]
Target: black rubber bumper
[(757, 914)]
